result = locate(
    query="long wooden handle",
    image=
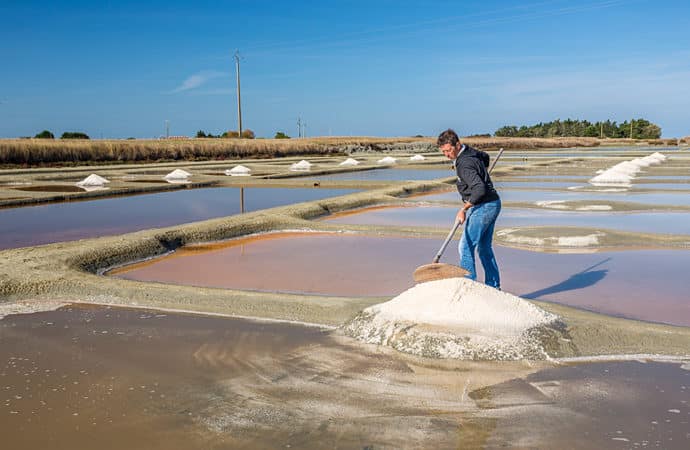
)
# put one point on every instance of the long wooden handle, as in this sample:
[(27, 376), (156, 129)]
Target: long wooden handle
[(437, 258)]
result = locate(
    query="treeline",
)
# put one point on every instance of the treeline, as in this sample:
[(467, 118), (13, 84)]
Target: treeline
[(636, 129), (45, 134)]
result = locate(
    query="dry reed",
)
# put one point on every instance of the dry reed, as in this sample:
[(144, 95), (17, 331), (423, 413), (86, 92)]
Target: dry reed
[(37, 152)]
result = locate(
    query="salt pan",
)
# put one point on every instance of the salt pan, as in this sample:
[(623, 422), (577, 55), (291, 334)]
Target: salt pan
[(349, 162), (455, 318), (239, 171), (302, 165), (387, 160), (417, 158)]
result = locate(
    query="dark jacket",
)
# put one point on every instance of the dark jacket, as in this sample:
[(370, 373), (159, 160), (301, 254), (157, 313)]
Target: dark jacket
[(474, 183)]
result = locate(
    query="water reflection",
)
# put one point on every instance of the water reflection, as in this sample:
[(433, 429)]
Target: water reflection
[(44, 224)]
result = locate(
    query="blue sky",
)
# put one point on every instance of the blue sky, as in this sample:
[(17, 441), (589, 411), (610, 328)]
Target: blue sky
[(380, 67)]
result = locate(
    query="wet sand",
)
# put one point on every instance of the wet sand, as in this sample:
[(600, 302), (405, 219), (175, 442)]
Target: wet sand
[(94, 377)]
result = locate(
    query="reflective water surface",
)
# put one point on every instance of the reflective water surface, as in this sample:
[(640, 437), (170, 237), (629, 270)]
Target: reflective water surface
[(643, 284), (388, 175), (34, 225), (431, 216), (512, 195), (88, 377)]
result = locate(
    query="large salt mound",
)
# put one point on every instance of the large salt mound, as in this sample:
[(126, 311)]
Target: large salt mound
[(387, 160), (349, 162), (93, 180), (302, 165), (417, 158), (457, 318), (622, 174), (178, 174)]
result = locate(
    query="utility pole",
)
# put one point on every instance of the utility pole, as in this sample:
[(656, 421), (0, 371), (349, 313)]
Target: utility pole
[(304, 129), (631, 127), (601, 130), (299, 127), (167, 129), (239, 101)]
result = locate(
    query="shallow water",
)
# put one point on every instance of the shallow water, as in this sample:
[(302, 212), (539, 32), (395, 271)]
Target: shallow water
[(34, 225), (387, 175), (511, 195), (431, 216), (644, 284), (602, 405), (110, 378)]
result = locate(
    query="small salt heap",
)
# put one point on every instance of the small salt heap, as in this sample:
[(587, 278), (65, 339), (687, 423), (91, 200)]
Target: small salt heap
[(417, 158), (177, 176), (387, 160), (300, 166), (93, 183), (349, 162), (239, 171), (457, 318), (92, 180)]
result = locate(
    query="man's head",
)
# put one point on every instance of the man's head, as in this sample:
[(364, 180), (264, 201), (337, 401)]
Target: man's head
[(449, 143)]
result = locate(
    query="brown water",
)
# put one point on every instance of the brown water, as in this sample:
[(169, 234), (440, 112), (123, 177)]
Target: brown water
[(110, 378), (643, 284), (50, 188)]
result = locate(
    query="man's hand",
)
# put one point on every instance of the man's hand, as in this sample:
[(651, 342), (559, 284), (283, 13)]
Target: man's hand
[(462, 214)]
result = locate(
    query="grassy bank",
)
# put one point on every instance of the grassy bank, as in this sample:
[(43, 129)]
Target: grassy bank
[(44, 152)]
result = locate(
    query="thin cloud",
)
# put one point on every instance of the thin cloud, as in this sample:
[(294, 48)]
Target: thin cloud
[(197, 80)]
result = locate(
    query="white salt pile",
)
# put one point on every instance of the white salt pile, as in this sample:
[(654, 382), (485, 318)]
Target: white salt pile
[(417, 158), (302, 165), (623, 173), (239, 171), (92, 180), (349, 162), (387, 160), (457, 318), (178, 174)]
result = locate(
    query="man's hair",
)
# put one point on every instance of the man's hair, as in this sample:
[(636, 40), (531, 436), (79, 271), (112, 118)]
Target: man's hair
[(448, 137)]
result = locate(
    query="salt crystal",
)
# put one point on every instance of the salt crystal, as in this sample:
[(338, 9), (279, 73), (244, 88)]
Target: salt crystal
[(417, 158)]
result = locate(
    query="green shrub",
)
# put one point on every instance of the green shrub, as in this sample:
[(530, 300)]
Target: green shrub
[(45, 134)]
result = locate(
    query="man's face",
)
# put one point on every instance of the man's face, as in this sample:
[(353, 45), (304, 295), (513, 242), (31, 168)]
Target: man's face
[(448, 150)]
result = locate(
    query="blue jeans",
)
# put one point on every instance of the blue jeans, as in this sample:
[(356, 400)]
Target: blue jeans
[(478, 234)]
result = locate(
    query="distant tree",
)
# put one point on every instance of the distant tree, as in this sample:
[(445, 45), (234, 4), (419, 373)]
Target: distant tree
[(248, 134), (281, 135), (131, 138), (201, 134), (640, 129), (45, 134), (507, 131), (230, 134), (74, 135)]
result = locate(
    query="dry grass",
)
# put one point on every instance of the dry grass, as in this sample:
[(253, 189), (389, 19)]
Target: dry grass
[(37, 152)]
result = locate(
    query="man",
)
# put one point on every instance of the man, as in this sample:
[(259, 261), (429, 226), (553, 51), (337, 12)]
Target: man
[(480, 209)]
